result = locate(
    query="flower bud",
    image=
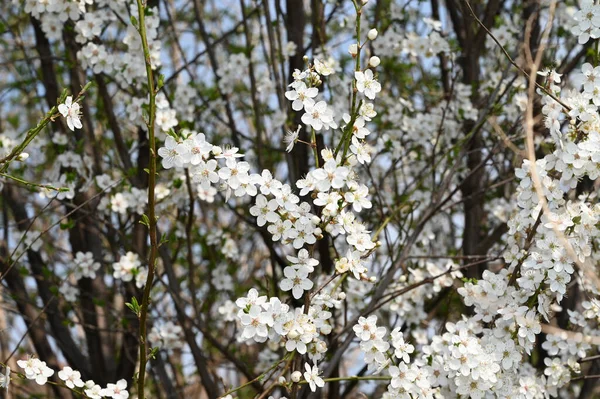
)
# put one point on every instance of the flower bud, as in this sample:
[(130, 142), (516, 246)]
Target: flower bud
[(364, 2), (296, 375), (281, 380), (374, 61), (293, 334), (372, 35), (353, 49), (22, 156)]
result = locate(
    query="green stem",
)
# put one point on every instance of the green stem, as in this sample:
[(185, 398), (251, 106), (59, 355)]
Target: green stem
[(143, 314), (339, 282), (31, 134), (259, 378), (347, 135), (314, 146), (27, 183)]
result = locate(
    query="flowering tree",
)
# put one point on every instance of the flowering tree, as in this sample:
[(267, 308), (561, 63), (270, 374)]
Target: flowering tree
[(268, 199)]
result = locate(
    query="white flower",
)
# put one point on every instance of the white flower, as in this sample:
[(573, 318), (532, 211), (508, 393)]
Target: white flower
[(251, 300), (116, 391), (119, 203), (70, 110), (93, 390), (301, 96), (85, 265), (296, 280), (167, 336), (303, 261), (529, 327), (365, 83), (318, 116), (403, 349), (72, 378), (35, 369), (255, 324), (358, 129), (5, 378), (141, 275), (330, 175), (361, 241), (235, 173), (199, 148), (324, 68), (204, 173), (264, 210), (125, 267), (174, 153), (311, 375), (291, 137), (361, 150), (68, 292), (365, 327), (367, 111)]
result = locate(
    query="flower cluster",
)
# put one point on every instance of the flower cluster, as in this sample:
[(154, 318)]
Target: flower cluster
[(37, 370), (360, 258), (167, 336), (129, 267), (587, 22)]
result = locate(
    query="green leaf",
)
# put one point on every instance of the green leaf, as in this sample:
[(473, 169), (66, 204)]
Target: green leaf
[(153, 352), (145, 220), (69, 224), (172, 133), (161, 82), (163, 240), (134, 306)]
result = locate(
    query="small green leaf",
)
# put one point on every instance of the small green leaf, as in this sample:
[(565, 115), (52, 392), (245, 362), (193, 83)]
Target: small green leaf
[(172, 133), (153, 352), (134, 306), (69, 224), (163, 240), (145, 220), (161, 82)]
